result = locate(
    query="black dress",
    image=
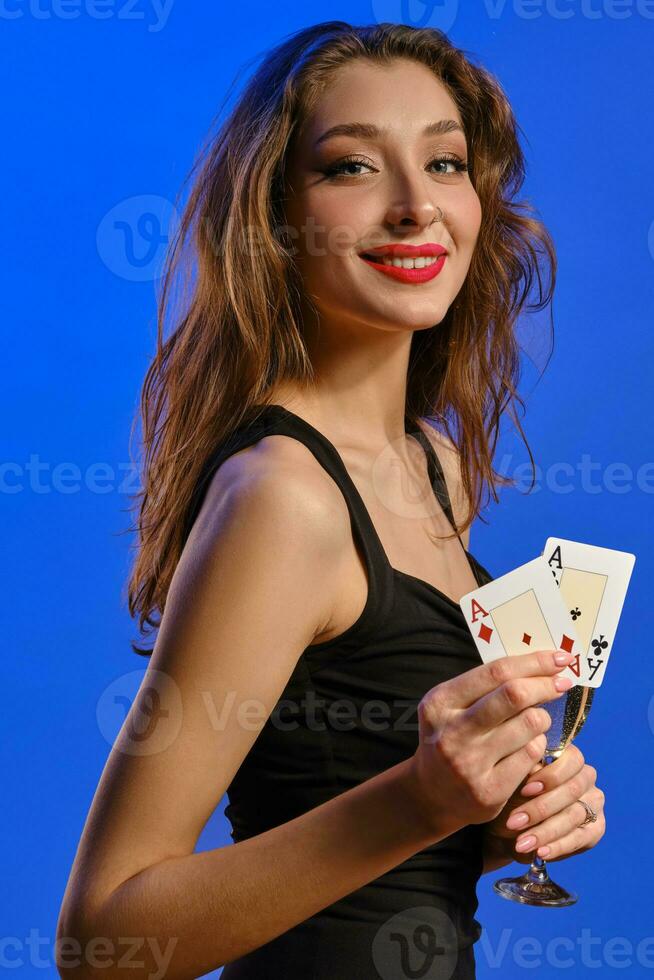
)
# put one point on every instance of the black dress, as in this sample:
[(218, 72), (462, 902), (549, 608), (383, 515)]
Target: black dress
[(416, 920)]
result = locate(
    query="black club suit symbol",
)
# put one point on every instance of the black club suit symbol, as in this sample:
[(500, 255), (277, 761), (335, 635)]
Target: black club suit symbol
[(575, 613), (599, 645)]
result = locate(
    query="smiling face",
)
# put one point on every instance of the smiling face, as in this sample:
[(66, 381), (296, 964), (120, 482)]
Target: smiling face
[(390, 183)]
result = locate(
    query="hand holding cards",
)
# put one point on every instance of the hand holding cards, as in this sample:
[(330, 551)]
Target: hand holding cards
[(570, 598)]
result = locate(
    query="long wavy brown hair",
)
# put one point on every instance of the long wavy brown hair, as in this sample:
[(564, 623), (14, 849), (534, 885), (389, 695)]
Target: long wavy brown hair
[(238, 332)]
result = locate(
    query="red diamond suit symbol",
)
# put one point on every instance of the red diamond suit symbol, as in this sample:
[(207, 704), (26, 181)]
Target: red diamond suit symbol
[(485, 632)]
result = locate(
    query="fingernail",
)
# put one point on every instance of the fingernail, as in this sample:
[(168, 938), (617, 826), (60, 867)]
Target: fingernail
[(562, 683), (536, 787), (525, 843), (543, 851), (562, 657), (517, 820)]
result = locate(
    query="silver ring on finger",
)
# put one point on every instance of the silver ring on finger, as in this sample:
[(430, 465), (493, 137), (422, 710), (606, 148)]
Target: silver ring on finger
[(591, 816)]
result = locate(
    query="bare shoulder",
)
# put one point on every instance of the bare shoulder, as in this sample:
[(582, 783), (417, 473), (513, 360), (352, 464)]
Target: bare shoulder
[(273, 510), (278, 482), (449, 459)]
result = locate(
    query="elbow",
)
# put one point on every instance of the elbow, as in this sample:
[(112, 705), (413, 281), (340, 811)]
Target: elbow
[(85, 949), (81, 951), (70, 947)]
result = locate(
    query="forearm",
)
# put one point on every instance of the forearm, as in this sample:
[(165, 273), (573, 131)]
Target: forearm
[(218, 905)]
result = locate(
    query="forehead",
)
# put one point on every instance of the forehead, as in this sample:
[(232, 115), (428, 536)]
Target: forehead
[(402, 97)]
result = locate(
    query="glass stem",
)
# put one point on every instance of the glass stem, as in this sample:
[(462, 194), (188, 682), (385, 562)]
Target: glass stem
[(538, 870)]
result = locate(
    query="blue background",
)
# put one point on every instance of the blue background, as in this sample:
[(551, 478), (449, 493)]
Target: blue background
[(104, 119)]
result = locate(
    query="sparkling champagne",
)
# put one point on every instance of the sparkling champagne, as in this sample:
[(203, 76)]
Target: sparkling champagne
[(568, 714)]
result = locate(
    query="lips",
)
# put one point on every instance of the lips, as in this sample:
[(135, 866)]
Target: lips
[(396, 250), (400, 274)]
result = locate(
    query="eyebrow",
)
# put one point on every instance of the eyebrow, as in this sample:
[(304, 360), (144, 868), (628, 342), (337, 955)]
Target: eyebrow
[(369, 131)]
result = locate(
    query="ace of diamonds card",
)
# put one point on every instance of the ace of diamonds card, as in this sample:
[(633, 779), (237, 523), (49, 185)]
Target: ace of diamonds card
[(521, 612)]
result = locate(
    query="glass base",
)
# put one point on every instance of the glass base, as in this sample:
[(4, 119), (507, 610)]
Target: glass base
[(535, 888)]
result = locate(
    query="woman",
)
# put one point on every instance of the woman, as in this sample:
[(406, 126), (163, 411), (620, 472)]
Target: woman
[(296, 525)]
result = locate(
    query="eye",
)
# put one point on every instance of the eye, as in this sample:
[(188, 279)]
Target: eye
[(459, 165), (337, 170)]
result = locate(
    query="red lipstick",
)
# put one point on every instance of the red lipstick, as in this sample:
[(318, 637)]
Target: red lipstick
[(430, 249)]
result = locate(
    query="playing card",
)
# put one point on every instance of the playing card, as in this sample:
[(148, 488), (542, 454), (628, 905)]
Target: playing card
[(521, 612), (593, 583)]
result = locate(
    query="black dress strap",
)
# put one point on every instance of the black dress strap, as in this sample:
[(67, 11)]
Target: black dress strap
[(439, 486), (436, 474), (277, 420), (286, 422)]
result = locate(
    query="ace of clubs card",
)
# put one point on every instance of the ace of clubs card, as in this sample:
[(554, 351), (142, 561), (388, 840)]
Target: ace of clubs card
[(593, 583)]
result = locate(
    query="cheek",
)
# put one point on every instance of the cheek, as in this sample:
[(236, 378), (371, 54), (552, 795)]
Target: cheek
[(469, 219), (330, 225)]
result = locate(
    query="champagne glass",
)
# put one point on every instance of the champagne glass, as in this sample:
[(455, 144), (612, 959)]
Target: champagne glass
[(535, 887)]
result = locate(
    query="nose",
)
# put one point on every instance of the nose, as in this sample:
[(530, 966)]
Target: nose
[(415, 206)]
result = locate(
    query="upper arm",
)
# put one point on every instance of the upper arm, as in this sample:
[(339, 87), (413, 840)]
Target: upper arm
[(252, 588), (448, 456)]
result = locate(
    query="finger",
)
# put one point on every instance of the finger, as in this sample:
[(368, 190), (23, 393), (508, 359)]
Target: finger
[(559, 825), (547, 805), (510, 698), (570, 762), (511, 735), (580, 839), (555, 827), (511, 770), (532, 782), (533, 787), (466, 688)]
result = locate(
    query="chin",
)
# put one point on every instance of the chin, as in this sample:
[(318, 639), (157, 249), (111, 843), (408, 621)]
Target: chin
[(431, 318)]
